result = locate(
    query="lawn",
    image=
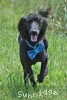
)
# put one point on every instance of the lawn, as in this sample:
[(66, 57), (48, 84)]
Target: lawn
[(12, 87)]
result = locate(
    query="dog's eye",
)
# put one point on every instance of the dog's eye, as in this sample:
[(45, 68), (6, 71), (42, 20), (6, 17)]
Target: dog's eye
[(38, 21), (29, 21)]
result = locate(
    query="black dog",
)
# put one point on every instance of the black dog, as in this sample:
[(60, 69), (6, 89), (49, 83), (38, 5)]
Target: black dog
[(33, 44)]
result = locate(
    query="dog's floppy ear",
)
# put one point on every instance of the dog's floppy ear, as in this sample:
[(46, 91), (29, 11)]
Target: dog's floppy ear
[(22, 27)]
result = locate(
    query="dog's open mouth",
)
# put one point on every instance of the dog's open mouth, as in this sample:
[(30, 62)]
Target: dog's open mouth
[(34, 38)]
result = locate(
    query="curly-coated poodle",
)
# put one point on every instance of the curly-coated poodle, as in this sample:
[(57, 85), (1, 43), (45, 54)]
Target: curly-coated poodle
[(33, 44)]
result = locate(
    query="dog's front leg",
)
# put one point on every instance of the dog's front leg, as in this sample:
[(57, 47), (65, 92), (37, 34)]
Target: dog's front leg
[(31, 76), (43, 71), (28, 73)]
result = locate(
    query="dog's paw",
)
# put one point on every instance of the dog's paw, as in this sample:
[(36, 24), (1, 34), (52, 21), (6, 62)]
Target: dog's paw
[(40, 78), (34, 84)]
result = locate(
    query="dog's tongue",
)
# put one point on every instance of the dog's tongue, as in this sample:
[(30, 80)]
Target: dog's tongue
[(34, 38)]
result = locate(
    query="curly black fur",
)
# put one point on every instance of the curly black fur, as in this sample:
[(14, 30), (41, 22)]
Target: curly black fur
[(24, 29)]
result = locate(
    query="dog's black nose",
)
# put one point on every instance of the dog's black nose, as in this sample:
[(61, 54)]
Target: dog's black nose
[(34, 33)]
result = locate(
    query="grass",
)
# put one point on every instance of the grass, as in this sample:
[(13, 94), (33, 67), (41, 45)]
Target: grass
[(12, 87)]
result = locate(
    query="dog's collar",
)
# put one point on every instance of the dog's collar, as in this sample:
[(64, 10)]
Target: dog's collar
[(37, 48), (31, 45)]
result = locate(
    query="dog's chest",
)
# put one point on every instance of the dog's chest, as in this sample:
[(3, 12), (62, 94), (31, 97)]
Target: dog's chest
[(38, 58)]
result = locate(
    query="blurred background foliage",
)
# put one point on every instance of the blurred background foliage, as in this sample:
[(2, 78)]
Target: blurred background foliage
[(58, 13)]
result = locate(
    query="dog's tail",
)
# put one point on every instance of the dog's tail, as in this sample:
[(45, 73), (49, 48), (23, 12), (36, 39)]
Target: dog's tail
[(44, 13)]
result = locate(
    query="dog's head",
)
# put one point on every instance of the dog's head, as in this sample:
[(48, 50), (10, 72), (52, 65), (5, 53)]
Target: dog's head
[(34, 26)]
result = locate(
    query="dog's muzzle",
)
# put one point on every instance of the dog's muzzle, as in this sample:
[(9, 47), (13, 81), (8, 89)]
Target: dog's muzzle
[(34, 36), (34, 31)]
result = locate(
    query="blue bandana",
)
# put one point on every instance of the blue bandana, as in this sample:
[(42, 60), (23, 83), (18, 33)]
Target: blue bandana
[(39, 47)]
